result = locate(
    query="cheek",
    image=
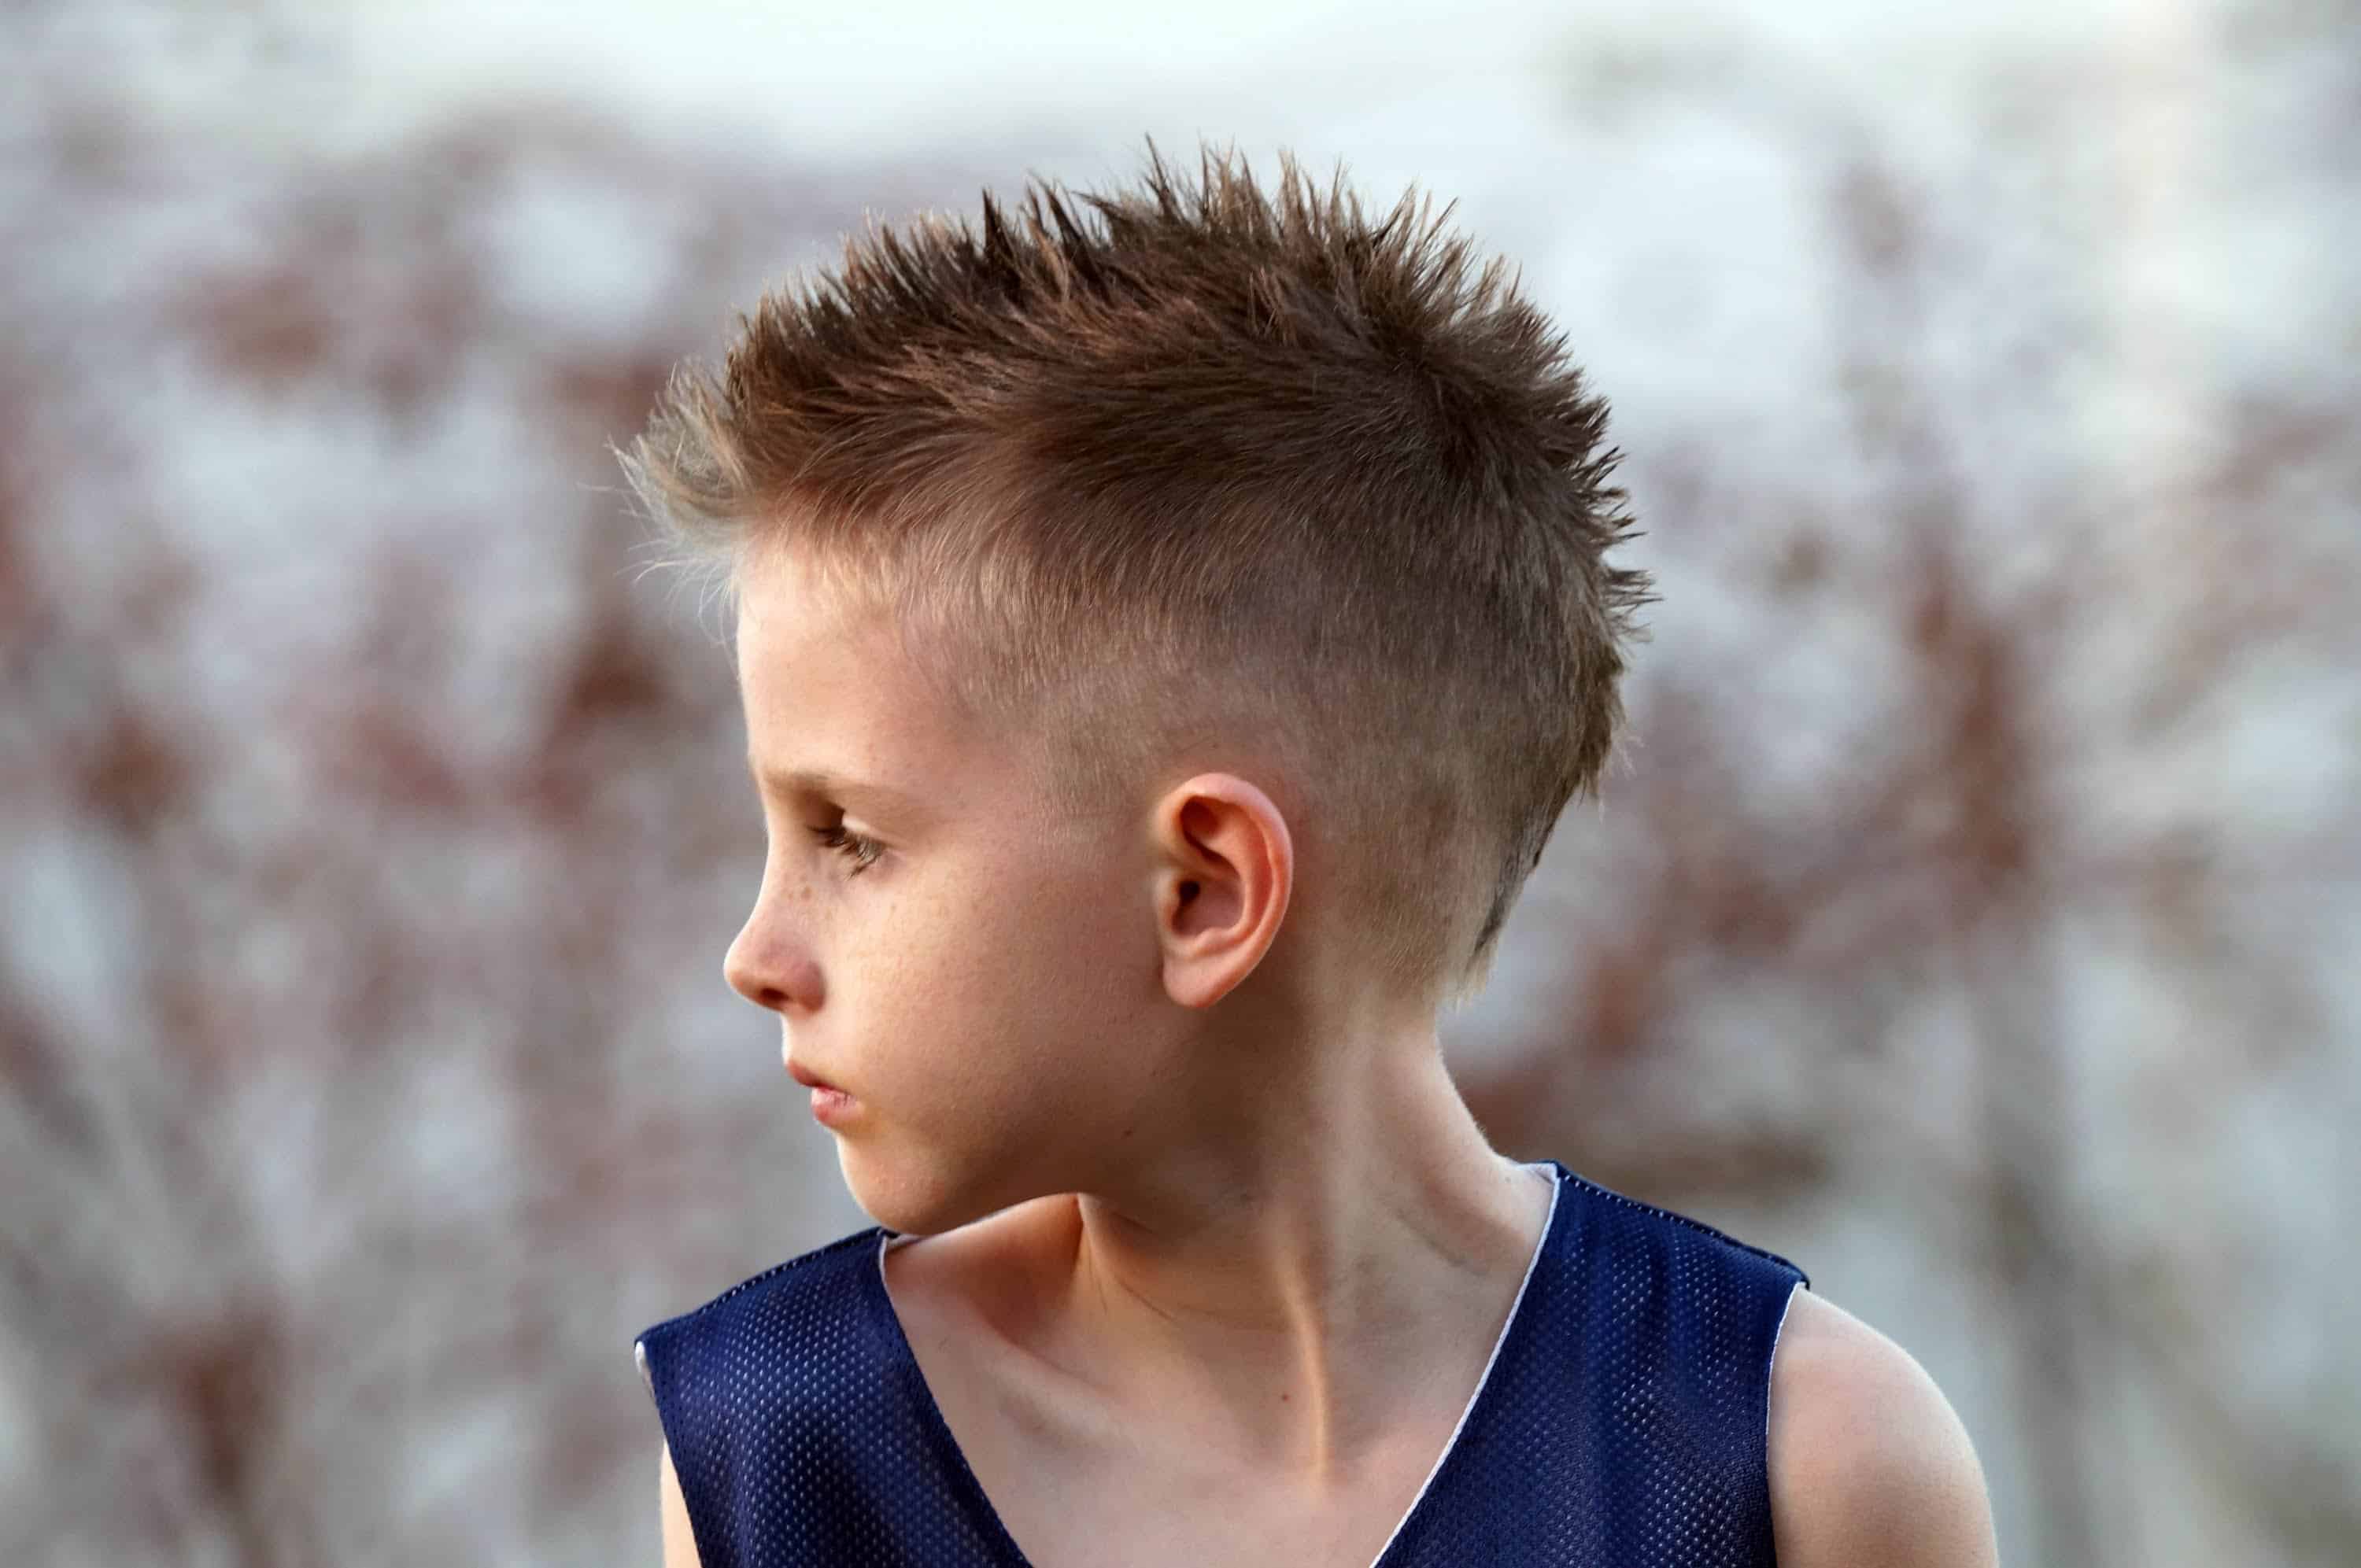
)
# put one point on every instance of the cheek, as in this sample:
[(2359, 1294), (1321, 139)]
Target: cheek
[(1019, 934), (1018, 980), (1092, 965)]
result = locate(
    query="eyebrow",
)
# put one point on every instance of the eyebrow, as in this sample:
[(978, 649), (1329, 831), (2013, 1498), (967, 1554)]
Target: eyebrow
[(819, 781)]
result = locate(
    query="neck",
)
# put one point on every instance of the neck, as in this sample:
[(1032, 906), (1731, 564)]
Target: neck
[(1295, 1301)]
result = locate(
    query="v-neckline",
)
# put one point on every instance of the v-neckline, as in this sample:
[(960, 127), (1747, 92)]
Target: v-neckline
[(980, 1507)]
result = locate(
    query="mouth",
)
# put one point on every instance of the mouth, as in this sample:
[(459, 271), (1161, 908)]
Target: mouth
[(809, 1079)]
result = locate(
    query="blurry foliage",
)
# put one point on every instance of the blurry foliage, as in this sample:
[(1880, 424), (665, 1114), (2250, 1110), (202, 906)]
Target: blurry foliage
[(371, 832)]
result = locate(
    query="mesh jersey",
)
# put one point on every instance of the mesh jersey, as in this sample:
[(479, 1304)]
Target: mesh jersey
[(1621, 1422)]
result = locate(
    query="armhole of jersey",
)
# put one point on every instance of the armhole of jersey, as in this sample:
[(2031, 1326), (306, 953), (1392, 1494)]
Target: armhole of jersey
[(707, 1553), (1771, 1364)]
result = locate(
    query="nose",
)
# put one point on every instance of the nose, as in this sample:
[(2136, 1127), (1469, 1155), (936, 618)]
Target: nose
[(764, 968)]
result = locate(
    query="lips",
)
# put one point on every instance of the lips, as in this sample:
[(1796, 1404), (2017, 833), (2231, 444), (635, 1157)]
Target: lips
[(808, 1078)]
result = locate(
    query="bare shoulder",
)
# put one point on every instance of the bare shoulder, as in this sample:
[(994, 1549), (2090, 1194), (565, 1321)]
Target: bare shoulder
[(1870, 1465), (679, 1546)]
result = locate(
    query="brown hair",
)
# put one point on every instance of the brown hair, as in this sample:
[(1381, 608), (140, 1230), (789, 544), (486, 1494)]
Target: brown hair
[(1218, 479)]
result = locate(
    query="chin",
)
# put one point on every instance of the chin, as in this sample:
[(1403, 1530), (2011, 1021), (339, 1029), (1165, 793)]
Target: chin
[(924, 1196)]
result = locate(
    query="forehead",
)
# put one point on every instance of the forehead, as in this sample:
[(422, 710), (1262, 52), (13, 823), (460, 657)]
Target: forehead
[(794, 634), (829, 688), (788, 613), (833, 705)]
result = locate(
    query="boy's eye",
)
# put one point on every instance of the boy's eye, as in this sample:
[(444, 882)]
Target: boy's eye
[(862, 852)]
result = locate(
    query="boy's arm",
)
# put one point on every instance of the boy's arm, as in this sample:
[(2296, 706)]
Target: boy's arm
[(679, 1546), (1869, 1467)]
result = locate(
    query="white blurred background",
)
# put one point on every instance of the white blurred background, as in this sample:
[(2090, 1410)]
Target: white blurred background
[(1971, 919)]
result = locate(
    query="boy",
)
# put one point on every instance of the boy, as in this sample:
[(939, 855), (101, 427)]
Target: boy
[(1166, 643)]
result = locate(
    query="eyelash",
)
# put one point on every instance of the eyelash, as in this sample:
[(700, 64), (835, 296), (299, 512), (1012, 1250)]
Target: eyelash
[(862, 852)]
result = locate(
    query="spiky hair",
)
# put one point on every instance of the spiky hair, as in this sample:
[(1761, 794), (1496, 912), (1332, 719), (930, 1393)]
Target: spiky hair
[(1204, 477)]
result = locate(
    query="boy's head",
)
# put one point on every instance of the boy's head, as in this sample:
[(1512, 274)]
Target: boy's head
[(1196, 482)]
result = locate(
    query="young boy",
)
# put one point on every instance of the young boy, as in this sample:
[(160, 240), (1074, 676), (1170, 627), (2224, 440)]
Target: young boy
[(1166, 643)]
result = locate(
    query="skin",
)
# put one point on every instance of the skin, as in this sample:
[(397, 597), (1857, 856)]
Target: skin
[(1268, 1221), (1869, 1462)]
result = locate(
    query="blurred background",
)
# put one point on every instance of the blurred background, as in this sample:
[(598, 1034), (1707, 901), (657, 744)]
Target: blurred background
[(1971, 917)]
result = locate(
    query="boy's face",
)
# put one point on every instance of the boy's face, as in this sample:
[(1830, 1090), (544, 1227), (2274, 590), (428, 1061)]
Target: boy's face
[(984, 987)]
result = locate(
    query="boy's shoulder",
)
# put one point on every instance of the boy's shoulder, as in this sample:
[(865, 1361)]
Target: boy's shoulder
[(1869, 1462), (773, 1386), (1866, 1460), (1637, 1213), (805, 1292)]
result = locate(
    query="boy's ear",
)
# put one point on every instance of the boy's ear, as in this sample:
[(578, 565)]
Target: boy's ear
[(1222, 889)]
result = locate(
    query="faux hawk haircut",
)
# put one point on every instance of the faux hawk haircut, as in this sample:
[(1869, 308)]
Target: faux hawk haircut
[(1203, 478)]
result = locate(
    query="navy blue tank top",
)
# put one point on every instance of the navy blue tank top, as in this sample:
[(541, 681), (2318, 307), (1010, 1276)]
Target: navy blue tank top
[(1619, 1423)]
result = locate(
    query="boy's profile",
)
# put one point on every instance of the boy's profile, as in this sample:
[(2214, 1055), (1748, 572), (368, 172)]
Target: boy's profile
[(1169, 623)]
